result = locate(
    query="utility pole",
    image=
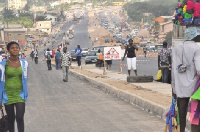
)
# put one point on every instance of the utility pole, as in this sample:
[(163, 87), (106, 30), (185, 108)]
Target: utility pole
[(34, 12)]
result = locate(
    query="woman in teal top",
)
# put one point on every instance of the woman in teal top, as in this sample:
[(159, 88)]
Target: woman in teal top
[(14, 88)]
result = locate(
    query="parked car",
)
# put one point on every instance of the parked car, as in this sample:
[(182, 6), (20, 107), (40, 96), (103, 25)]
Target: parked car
[(107, 40), (101, 47), (73, 54), (118, 39), (84, 51), (91, 57), (152, 50)]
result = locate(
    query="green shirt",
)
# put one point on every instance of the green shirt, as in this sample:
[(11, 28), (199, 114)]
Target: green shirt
[(13, 84)]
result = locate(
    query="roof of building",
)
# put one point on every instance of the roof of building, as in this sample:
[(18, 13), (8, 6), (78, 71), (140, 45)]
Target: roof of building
[(12, 25), (159, 19), (164, 23), (167, 17), (15, 29)]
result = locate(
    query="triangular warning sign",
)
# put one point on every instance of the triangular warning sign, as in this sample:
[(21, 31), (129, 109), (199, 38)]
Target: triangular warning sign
[(112, 51)]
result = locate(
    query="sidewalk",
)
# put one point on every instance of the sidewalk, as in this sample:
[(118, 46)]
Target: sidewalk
[(154, 97), (159, 87)]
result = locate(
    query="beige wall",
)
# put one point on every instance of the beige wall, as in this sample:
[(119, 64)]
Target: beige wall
[(165, 28), (16, 4), (44, 26), (15, 36)]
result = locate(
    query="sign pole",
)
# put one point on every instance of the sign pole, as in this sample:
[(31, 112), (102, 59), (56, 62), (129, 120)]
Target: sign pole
[(104, 70), (120, 65)]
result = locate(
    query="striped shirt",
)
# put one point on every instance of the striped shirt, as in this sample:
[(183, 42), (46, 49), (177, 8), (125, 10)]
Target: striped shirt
[(65, 58)]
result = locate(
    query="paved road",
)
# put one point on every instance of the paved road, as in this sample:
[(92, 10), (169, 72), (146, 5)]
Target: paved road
[(145, 66), (76, 106)]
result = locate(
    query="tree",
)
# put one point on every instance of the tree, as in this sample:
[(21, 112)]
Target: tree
[(8, 15), (40, 18), (27, 21), (27, 7), (157, 8), (62, 7), (156, 27)]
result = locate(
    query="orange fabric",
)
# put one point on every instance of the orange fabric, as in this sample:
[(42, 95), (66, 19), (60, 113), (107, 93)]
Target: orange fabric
[(100, 57)]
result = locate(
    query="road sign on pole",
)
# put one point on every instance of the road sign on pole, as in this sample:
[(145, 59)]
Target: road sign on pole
[(112, 53)]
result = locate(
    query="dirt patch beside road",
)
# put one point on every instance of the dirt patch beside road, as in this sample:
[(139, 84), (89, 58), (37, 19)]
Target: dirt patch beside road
[(153, 96)]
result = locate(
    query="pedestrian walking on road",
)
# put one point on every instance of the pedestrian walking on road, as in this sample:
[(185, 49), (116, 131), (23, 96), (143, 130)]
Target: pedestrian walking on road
[(164, 61), (66, 62), (58, 59), (145, 51), (36, 56), (53, 52), (32, 55), (109, 63), (48, 56), (13, 88), (184, 82), (131, 56), (44, 52), (100, 58), (78, 52)]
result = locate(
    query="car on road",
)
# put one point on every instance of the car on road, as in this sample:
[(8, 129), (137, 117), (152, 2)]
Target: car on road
[(91, 57), (84, 51), (107, 40), (101, 47), (73, 54)]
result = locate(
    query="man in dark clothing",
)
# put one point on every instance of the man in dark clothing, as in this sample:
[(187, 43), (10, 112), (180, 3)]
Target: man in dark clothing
[(48, 56), (78, 52), (36, 56), (164, 60), (57, 59), (145, 51)]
